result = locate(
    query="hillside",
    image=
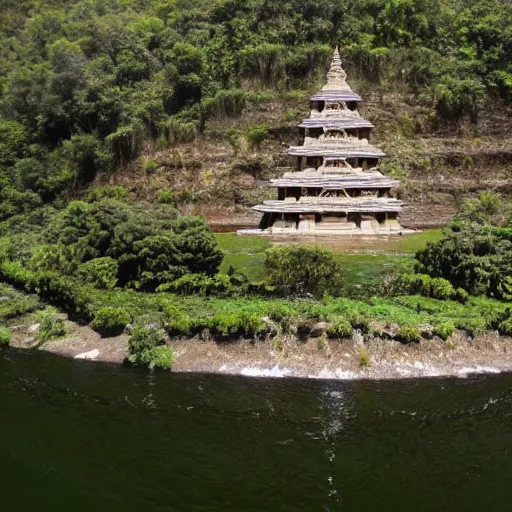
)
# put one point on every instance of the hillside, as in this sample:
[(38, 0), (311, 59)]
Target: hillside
[(439, 168), (198, 100)]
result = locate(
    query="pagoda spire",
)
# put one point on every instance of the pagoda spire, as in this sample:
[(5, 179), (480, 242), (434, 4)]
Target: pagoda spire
[(336, 76)]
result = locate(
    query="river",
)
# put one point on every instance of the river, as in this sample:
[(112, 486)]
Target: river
[(93, 437)]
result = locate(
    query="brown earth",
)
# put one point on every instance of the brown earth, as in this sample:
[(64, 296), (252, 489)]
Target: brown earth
[(439, 164), (317, 358)]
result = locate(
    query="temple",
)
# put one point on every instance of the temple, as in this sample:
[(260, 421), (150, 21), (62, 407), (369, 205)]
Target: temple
[(337, 188)]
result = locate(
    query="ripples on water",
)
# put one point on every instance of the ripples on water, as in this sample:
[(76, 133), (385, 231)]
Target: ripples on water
[(86, 436)]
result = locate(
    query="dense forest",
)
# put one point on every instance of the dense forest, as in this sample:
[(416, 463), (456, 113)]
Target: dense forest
[(84, 83)]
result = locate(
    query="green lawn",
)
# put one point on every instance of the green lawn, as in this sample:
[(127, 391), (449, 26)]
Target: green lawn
[(363, 262)]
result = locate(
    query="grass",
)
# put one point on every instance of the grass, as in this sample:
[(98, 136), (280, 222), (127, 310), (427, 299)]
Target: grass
[(360, 272), (244, 254)]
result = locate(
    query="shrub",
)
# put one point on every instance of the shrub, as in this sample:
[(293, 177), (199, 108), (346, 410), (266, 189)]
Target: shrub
[(14, 304), (237, 323), (256, 136), (408, 334), (100, 272), (340, 328), (472, 257), (363, 356), (143, 338), (51, 327), (473, 326), (117, 193), (461, 295), (441, 289), (186, 196), (147, 346), (199, 284), (177, 322), (110, 321), (228, 102), (150, 165), (5, 336), (164, 197), (283, 315), (158, 357), (506, 327), (423, 284), (302, 270), (444, 330)]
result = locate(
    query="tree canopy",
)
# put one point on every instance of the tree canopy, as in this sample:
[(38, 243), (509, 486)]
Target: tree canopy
[(84, 83)]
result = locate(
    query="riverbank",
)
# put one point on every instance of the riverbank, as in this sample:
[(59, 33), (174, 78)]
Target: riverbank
[(315, 358)]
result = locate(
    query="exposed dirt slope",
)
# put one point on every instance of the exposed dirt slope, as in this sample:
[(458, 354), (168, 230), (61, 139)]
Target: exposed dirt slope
[(439, 163)]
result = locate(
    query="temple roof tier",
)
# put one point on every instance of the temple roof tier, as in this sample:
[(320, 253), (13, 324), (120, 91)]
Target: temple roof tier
[(348, 205), (334, 96), (342, 151), (338, 183), (335, 124)]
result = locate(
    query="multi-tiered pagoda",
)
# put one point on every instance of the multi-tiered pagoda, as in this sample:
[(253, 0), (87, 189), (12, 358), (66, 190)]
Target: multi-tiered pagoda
[(337, 188)]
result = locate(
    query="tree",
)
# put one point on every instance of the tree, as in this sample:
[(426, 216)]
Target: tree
[(299, 270)]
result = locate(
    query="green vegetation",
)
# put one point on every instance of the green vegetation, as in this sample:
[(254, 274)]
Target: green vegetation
[(5, 336), (444, 330), (83, 87), (100, 272), (147, 347), (298, 269), (110, 321), (88, 88), (340, 328), (51, 326), (15, 304), (475, 252), (408, 334), (363, 356)]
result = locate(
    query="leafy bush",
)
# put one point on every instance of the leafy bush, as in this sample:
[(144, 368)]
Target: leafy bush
[(457, 96), (100, 272), (461, 295), (161, 357), (149, 249), (199, 284), (423, 284), (229, 102), (95, 195), (506, 327), (110, 321), (177, 322), (51, 327), (473, 326), (63, 292), (14, 304), (340, 328), (470, 257), (441, 289), (408, 334), (144, 337), (444, 330), (164, 197), (256, 136), (301, 270), (185, 196), (147, 346), (5, 336), (237, 323)]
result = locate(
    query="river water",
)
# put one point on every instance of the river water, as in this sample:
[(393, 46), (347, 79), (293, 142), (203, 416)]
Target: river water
[(85, 436)]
